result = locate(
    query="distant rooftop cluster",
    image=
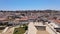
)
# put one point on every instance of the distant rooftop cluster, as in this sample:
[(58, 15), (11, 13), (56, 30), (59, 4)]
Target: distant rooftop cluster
[(34, 15)]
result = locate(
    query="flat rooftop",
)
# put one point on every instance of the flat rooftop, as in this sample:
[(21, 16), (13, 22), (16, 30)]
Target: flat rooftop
[(1, 31), (42, 32)]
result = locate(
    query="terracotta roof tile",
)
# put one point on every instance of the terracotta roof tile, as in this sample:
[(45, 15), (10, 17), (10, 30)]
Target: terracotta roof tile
[(57, 21), (2, 19), (23, 18)]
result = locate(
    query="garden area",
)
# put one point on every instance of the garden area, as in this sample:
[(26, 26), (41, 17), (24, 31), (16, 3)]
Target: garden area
[(21, 30)]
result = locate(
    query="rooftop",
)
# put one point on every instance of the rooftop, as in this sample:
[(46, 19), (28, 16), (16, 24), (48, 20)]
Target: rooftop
[(42, 32), (23, 18), (58, 21), (37, 29)]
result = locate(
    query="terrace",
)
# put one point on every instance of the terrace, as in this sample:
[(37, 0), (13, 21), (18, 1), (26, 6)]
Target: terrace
[(41, 30), (37, 28)]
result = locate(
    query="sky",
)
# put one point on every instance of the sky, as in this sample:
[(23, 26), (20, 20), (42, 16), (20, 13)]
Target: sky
[(29, 4)]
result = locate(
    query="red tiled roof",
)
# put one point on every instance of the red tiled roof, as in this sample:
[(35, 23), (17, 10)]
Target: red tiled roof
[(23, 18), (32, 17), (57, 21), (3, 19)]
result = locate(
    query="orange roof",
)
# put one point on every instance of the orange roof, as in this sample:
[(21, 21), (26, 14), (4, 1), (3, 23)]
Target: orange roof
[(58, 21), (32, 17), (2, 19)]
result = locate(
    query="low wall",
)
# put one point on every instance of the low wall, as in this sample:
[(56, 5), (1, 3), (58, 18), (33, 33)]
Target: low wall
[(5, 29), (31, 28), (50, 30)]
